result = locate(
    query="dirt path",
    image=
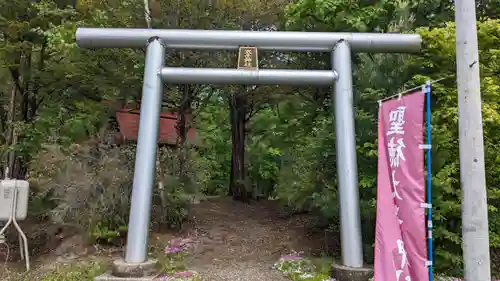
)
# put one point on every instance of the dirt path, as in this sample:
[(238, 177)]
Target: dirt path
[(237, 241), (234, 241)]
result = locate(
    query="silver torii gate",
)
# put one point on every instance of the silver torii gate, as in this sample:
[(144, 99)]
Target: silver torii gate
[(340, 45)]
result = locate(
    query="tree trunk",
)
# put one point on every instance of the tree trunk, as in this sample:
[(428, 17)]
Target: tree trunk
[(182, 125), (29, 106), (182, 128), (9, 167), (237, 186), (155, 8)]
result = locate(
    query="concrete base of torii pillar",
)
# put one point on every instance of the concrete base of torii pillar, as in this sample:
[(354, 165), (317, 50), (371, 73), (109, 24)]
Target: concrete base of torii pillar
[(345, 273), (123, 271)]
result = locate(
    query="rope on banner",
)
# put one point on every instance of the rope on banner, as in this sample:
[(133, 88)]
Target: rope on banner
[(398, 95), (427, 91)]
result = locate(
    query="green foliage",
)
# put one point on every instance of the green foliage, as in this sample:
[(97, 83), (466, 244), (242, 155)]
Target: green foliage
[(304, 180), (337, 15), (64, 272), (171, 207), (171, 263), (92, 186), (438, 61), (375, 77), (76, 273), (212, 124), (60, 84), (301, 269), (108, 230)]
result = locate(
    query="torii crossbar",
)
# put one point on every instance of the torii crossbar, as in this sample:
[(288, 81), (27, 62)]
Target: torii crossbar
[(340, 45)]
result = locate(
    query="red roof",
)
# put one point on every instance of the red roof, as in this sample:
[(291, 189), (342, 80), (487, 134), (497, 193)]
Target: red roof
[(128, 121)]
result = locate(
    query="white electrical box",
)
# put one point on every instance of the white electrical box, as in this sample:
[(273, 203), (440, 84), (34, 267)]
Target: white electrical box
[(7, 195)]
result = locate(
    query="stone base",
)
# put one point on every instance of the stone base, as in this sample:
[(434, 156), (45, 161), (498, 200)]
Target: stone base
[(144, 269), (109, 277), (345, 273)]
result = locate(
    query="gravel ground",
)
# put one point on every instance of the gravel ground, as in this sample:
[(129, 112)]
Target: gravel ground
[(249, 271), (237, 241)]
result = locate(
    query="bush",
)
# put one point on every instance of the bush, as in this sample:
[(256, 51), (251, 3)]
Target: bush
[(92, 185), (170, 207)]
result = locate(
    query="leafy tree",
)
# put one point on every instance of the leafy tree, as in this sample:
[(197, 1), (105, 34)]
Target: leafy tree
[(438, 61)]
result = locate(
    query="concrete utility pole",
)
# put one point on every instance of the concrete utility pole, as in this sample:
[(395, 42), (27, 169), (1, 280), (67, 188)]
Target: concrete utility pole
[(476, 246)]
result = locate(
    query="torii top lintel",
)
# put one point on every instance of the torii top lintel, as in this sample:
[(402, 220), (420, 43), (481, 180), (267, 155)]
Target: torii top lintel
[(232, 39)]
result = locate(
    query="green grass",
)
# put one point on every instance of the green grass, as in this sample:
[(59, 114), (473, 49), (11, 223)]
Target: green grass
[(323, 264), (63, 272), (306, 269)]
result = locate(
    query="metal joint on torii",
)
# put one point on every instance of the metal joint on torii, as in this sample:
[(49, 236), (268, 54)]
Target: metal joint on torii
[(340, 45)]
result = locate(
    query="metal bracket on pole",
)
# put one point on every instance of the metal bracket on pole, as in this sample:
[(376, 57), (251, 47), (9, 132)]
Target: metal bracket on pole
[(426, 205), (425, 146)]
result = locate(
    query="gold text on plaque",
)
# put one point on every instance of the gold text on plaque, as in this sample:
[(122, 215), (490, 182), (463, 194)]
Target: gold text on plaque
[(247, 58)]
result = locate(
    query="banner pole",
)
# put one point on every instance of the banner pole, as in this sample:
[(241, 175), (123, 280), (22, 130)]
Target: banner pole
[(429, 179)]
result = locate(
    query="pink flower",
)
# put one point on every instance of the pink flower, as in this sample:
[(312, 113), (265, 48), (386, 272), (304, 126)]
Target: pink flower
[(184, 274), (172, 250), (179, 244)]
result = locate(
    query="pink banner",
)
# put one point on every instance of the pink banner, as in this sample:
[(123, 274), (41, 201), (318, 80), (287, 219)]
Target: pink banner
[(400, 236)]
